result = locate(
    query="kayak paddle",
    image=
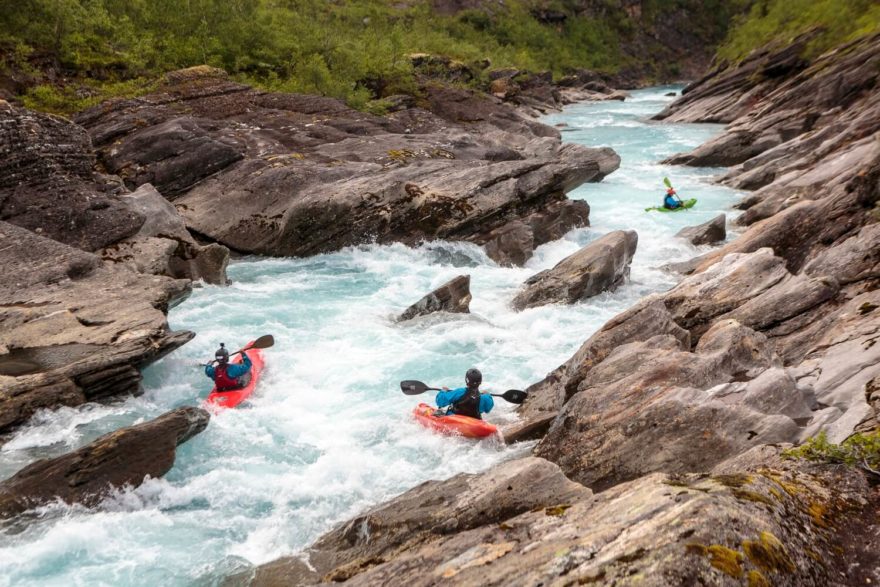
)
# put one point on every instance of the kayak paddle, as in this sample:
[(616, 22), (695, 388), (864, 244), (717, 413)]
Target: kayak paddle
[(263, 342), (514, 396)]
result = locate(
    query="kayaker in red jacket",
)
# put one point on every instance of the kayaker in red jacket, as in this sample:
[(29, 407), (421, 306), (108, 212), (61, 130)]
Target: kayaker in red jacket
[(228, 376), (467, 401)]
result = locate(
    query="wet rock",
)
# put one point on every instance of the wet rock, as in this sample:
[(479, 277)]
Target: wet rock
[(707, 233), (73, 329), (599, 266), (428, 512), (454, 296), (284, 174), (124, 458), (515, 242)]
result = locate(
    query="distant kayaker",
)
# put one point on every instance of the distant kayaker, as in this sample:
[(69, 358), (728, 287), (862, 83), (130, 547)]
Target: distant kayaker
[(467, 401), (228, 376), (672, 201)]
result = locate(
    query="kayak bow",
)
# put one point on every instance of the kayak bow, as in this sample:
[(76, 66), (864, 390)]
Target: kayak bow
[(454, 424)]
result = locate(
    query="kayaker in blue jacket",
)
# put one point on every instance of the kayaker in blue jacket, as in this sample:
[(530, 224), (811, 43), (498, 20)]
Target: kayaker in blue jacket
[(467, 401), (672, 201), (228, 376)]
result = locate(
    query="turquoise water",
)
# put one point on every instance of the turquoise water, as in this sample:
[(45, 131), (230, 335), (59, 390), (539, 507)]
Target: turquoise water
[(328, 432)]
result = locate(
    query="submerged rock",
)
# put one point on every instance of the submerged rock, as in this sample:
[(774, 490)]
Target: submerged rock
[(600, 266), (707, 233), (454, 296), (124, 458)]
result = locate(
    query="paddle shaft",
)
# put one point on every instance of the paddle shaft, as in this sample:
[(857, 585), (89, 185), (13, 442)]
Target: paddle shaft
[(438, 389)]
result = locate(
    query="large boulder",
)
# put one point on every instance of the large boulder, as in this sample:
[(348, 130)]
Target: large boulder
[(424, 514), (707, 233), (454, 296), (73, 329), (124, 458), (655, 394), (163, 245), (766, 522), (284, 174), (643, 321), (600, 266)]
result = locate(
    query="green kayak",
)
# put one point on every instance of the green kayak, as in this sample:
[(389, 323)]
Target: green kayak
[(687, 204)]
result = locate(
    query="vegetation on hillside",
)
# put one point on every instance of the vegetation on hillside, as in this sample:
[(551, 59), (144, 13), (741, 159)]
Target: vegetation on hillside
[(329, 47), (781, 21)]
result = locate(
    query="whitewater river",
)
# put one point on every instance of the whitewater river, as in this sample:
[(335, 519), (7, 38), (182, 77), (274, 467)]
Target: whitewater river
[(328, 432)]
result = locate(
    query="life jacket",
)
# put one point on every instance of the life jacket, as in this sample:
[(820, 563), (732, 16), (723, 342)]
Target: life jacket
[(223, 381), (670, 203), (469, 405)]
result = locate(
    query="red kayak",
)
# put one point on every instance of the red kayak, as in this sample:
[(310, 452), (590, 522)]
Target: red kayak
[(454, 424), (230, 399)]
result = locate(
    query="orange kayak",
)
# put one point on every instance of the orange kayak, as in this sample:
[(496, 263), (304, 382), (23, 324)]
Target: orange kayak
[(230, 399), (454, 424)]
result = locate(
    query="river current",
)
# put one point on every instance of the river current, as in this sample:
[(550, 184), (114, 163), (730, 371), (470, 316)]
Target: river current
[(328, 432)]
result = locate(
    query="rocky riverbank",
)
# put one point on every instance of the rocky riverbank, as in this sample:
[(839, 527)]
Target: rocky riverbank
[(667, 423), (108, 221)]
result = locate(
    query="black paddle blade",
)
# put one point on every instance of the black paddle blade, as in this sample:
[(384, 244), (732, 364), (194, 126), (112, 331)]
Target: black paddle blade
[(263, 342), (413, 387), (515, 396)]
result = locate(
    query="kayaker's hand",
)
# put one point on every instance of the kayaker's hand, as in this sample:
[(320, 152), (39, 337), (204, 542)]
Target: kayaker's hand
[(445, 388)]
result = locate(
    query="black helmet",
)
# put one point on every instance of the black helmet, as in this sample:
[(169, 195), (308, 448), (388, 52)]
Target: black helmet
[(222, 355), (473, 377)]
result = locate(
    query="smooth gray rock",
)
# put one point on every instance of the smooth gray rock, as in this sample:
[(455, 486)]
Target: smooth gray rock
[(707, 233), (601, 265), (454, 296)]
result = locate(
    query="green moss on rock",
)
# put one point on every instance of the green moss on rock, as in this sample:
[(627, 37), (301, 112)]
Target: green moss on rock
[(768, 554)]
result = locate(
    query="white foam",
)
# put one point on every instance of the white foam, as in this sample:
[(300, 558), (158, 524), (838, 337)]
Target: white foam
[(328, 433)]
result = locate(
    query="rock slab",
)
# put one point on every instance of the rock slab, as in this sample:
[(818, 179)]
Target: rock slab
[(707, 233), (119, 459), (600, 266)]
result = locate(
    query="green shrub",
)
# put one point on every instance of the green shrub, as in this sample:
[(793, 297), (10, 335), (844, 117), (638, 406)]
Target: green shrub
[(859, 449), (781, 21)]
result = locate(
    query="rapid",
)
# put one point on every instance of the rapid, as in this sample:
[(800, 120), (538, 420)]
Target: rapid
[(328, 432)]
